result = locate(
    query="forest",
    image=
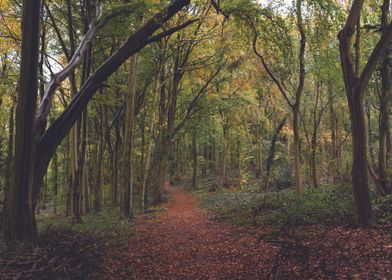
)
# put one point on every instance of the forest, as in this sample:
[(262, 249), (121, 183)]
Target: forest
[(195, 139)]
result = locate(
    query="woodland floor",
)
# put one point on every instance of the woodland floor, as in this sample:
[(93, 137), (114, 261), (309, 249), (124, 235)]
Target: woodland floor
[(183, 243)]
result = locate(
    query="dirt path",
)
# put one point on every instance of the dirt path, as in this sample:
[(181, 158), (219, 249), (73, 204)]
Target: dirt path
[(181, 243)]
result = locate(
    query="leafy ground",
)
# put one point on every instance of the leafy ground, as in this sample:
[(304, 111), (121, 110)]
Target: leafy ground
[(64, 250), (182, 243), (58, 254)]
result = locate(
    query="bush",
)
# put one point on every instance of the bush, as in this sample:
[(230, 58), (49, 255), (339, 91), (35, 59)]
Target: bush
[(328, 205), (106, 221), (383, 210)]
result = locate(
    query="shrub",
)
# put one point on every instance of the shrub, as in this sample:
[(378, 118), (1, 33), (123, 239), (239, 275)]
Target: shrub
[(327, 205), (383, 210)]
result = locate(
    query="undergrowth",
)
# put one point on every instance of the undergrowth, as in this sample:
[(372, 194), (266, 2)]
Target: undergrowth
[(325, 206), (104, 222)]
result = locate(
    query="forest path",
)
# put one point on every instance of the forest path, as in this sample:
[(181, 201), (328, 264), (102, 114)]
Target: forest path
[(182, 243)]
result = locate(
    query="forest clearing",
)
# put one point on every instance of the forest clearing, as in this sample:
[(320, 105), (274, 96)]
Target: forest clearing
[(195, 139)]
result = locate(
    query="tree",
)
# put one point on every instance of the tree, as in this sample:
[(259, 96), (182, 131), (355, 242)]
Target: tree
[(356, 82), (127, 169), (295, 104), (19, 220), (34, 145)]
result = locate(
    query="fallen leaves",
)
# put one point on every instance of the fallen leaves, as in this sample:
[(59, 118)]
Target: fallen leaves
[(57, 255), (182, 243)]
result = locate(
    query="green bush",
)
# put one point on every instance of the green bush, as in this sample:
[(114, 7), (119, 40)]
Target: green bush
[(106, 221), (327, 205), (383, 209)]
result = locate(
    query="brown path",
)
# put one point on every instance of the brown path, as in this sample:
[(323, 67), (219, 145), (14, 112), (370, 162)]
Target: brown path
[(181, 243)]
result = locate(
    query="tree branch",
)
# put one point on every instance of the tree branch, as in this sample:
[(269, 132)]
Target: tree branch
[(52, 137)]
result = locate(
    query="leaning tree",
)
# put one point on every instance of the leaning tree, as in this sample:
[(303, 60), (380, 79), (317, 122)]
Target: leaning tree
[(35, 143)]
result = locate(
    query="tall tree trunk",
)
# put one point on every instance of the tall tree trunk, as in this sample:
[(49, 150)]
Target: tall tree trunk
[(314, 161), (297, 152), (8, 163), (74, 182), (239, 174), (370, 131), (384, 108), (355, 85), (148, 149), (259, 160), (126, 169), (194, 160), (98, 189), (162, 158), (19, 219), (146, 165), (224, 175), (271, 153), (359, 168), (55, 182), (117, 161), (333, 120), (33, 158)]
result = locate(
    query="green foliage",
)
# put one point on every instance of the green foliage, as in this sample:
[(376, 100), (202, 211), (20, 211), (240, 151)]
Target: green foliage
[(106, 221), (383, 210), (328, 205)]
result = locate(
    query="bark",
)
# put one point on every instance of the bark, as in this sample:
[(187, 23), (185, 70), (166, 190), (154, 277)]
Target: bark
[(8, 162), (224, 175), (100, 177), (139, 39), (334, 125), (313, 141), (297, 152), (19, 221), (127, 154), (194, 160), (355, 86), (271, 153), (359, 168), (204, 166), (314, 161), (384, 126), (239, 174), (259, 166), (55, 181), (146, 163)]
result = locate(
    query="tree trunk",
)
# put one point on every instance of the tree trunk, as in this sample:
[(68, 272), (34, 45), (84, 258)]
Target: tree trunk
[(239, 174), (8, 163), (100, 161), (162, 158), (224, 176), (297, 152), (55, 182), (259, 164), (384, 108), (126, 169), (194, 160), (359, 168), (20, 221), (146, 165), (32, 158), (314, 161)]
